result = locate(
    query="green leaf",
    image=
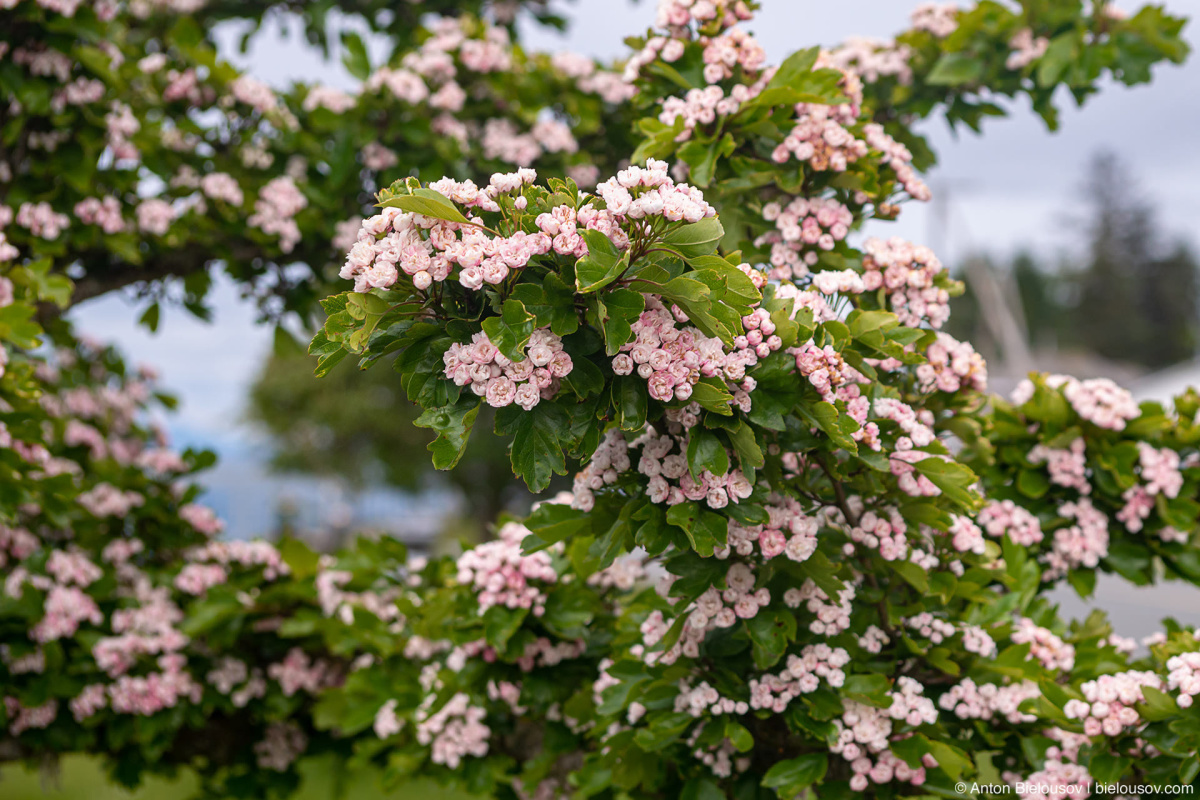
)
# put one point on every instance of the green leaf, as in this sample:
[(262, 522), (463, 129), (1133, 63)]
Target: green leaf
[(950, 759), (695, 239), (702, 157), (50, 286), (770, 631), (630, 398), (739, 736), (794, 775), (870, 689), (954, 69), (705, 530), (745, 445), (428, 203), (569, 611), (356, 60), (796, 82), (912, 573), (510, 331), (1158, 705), (618, 310), (861, 322), (684, 289), (554, 522), (500, 623), (328, 353), (949, 476), (825, 417), (712, 396), (420, 365), (1033, 483), (149, 318), (795, 67), (602, 265), (453, 424), (662, 729), (553, 303), (299, 557), (1107, 768), (538, 435), (701, 789), (1063, 49), (705, 451)]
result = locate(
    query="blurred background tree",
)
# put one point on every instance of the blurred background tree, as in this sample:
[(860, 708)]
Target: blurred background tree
[(357, 428), (1130, 296)]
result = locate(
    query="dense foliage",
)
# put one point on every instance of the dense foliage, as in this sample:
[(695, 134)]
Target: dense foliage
[(806, 550)]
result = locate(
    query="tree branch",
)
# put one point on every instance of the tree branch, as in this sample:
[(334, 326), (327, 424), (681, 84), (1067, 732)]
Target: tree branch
[(106, 273)]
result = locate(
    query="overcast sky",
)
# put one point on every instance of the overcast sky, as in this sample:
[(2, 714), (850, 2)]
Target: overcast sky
[(1012, 188)]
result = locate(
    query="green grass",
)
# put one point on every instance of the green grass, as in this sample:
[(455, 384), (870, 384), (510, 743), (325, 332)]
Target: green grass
[(81, 778)]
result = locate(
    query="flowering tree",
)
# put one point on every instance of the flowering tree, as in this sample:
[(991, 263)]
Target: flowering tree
[(806, 552), (132, 153)]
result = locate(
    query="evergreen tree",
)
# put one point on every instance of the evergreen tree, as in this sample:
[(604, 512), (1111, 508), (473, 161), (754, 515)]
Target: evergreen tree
[(1133, 304)]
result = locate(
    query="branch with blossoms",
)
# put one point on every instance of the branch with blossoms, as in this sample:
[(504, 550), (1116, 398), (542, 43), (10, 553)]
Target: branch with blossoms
[(250, 179), (805, 552), (824, 568)]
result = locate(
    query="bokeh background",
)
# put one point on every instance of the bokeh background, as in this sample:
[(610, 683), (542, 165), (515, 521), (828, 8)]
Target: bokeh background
[(1102, 214)]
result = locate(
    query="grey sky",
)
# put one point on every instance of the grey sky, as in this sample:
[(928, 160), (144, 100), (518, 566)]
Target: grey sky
[(1011, 188)]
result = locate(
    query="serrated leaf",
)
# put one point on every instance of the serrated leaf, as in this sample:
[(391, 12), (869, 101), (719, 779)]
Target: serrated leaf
[(511, 331), (602, 265), (356, 60), (705, 530), (954, 69), (538, 435), (618, 310), (706, 452), (695, 239), (453, 424), (428, 203)]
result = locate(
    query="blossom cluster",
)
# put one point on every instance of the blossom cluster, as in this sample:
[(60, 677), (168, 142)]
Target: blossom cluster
[(1159, 469), (831, 617), (788, 531), (1026, 49), (1184, 677), (827, 371), (1005, 518), (1110, 700), (427, 250), (672, 360), (803, 227), (872, 59), (1045, 647), (1080, 545), (714, 609), (952, 366), (1099, 401), (454, 731), (802, 676), (638, 193), (908, 274), (862, 740), (940, 19), (275, 211), (502, 575), (489, 374), (968, 700), (1067, 466)]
